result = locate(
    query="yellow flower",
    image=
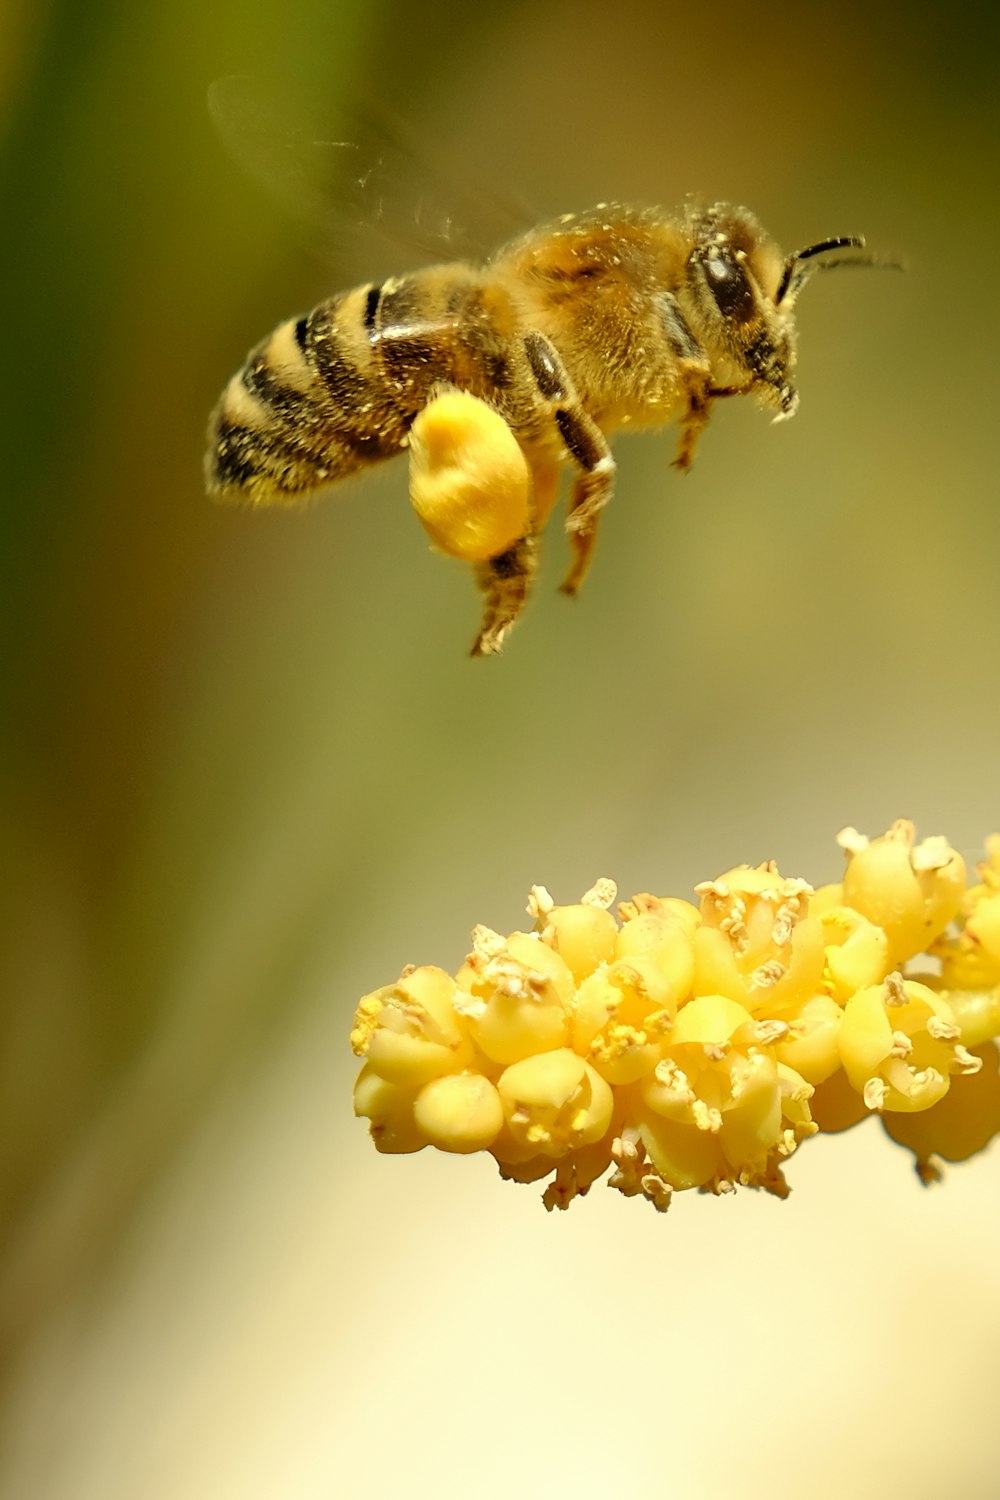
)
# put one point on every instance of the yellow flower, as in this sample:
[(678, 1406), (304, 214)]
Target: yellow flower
[(856, 951), (621, 1016), (410, 1031), (459, 1112), (388, 1107), (899, 1045), (912, 891), (714, 1108), (809, 1045), (583, 935), (756, 943), (970, 959), (699, 1046), (516, 995), (976, 1013), (555, 1102), (654, 931)]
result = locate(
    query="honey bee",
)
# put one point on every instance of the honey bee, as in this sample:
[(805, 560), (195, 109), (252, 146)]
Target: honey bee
[(613, 318)]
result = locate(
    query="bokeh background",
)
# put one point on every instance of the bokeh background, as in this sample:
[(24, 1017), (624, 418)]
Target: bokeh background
[(249, 771)]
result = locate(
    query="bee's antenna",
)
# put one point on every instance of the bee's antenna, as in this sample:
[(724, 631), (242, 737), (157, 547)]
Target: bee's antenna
[(795, 272)]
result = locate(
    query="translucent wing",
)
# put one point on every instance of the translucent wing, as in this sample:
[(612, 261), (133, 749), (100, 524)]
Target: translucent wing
[(359, 173)]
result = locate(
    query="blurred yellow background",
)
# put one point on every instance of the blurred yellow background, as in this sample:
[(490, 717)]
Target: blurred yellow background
[(249, 771)]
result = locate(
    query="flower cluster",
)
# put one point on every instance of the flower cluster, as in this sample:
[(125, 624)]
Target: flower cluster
[(697, 1045)]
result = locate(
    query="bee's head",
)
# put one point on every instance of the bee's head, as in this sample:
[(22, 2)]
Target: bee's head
[(743, 292)]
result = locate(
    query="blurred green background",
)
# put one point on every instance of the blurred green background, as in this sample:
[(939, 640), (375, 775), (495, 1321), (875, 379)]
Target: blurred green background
[(249, 770)]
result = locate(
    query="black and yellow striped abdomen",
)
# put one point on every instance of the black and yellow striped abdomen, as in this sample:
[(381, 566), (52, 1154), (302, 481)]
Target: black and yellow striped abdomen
[(337, 390)]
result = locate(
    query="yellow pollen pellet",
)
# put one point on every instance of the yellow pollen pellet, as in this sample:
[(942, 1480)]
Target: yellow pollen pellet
[(470, 484)]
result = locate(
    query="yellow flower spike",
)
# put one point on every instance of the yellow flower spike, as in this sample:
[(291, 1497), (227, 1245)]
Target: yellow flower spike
[(555, 1102), (810, 1044), (460, 1112), (388, 1109), (912, 891), (519, 995), (899, 1045), (857, 952), (584, 935), (664, 938), (410, 1032), (697, 1047), (621, 1016), (470, 484)]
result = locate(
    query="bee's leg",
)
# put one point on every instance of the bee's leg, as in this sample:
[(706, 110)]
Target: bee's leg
[(699, 396), (587, 447), (692, 428), (581, 541), (504, 581)]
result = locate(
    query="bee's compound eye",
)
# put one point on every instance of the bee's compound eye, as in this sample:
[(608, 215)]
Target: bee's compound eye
[(729, 285)]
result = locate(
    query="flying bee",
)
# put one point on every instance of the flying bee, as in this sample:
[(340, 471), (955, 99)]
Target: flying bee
[(613, 318)]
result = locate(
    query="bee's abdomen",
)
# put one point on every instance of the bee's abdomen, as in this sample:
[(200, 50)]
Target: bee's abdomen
[(309, 407)]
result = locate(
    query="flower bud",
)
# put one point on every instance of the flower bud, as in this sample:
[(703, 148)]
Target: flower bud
[(584, 934), (389, 1111), (912, 891), (459, 1112)]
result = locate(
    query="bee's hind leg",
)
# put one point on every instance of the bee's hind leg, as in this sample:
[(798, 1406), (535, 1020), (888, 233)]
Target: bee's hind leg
[(504, 582)]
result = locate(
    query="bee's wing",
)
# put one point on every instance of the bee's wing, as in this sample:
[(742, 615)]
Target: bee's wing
[(358, 173)]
